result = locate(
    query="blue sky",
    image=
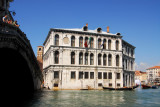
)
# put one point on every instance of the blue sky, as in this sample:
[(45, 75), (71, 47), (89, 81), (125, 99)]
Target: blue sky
[(137, 20)]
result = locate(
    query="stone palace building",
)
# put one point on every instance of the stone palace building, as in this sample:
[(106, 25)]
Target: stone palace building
[(87, 59)]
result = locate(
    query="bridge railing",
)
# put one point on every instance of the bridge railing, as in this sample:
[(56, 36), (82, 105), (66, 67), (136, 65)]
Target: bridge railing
[(13, 30)]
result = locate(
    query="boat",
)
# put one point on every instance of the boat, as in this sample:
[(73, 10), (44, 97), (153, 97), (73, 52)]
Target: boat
[(135, 86), (122, 88), (155, 86), (145, 86)]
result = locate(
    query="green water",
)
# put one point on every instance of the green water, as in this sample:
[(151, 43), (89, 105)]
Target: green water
[(96, 98)]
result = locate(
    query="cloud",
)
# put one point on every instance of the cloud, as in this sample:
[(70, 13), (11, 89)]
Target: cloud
[(142, 66)]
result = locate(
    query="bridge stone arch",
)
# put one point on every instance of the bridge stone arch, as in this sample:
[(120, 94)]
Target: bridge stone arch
[(20, 72)]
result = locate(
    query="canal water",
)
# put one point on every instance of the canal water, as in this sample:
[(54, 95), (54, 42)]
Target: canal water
[(96, 98)]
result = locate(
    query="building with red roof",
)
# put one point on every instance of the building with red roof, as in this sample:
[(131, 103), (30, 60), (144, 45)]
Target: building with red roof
[(153, 73)]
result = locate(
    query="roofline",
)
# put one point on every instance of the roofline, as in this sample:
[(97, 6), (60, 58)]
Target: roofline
[(79, 32), (152, 68), (128, 44)]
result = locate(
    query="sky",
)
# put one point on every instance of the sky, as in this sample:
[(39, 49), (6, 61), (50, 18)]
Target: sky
[(138, 21)]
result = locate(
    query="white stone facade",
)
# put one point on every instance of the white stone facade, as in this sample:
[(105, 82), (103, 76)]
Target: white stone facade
[(153, 73), (68, 64)]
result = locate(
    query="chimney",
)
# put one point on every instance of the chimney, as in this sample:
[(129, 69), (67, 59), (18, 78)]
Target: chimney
[(107, 29), (87, 24)]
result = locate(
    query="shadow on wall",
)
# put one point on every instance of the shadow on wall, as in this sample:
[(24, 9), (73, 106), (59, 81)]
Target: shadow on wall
[(15, 77)]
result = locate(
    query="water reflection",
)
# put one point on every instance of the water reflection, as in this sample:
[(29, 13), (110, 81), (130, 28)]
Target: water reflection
[(95, 98)]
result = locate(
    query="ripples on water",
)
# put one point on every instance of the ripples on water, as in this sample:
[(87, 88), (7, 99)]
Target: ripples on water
[(96, 98)]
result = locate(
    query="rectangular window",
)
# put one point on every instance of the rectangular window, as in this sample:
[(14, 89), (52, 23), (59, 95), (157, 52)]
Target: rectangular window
[(80, 74), (99, 75), (73, 75), (56, 74), (99, 84), (110, 84), (55, 85), (110, 75), (118, 76), (118, 85), (91, 75), (86, 75), (104, 75)]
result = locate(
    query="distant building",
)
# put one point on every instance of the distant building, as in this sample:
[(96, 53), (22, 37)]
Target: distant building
[(40, 56), (82, 58), (140, 77), (153, 74)]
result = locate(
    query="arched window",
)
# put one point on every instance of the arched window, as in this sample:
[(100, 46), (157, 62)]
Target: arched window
[(109, 60), (126, 65), (57, 40), (92, 43), (104, 60), (81, 42), (86, 42), (99, 59), (56, 57), (109, 44), (99, 43), (73, 41), (131, 65), (117, 60), (80, 58), (132, 52), (91, 59), (117, 45), (104, 44), (86, 58), (72, 58)]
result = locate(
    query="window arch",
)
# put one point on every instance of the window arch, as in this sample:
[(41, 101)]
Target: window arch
[(99, 59), (117, 45), (109, 60), (81, 42), (109, 44), (92, 43), (57, 40), (131, 65), (99, 43), (86, 58), (73, 41), (56, 57), (104, 44), (117, 60), (72, 58), (80, 58), (86, 42), (104, 60), (91, 59)]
